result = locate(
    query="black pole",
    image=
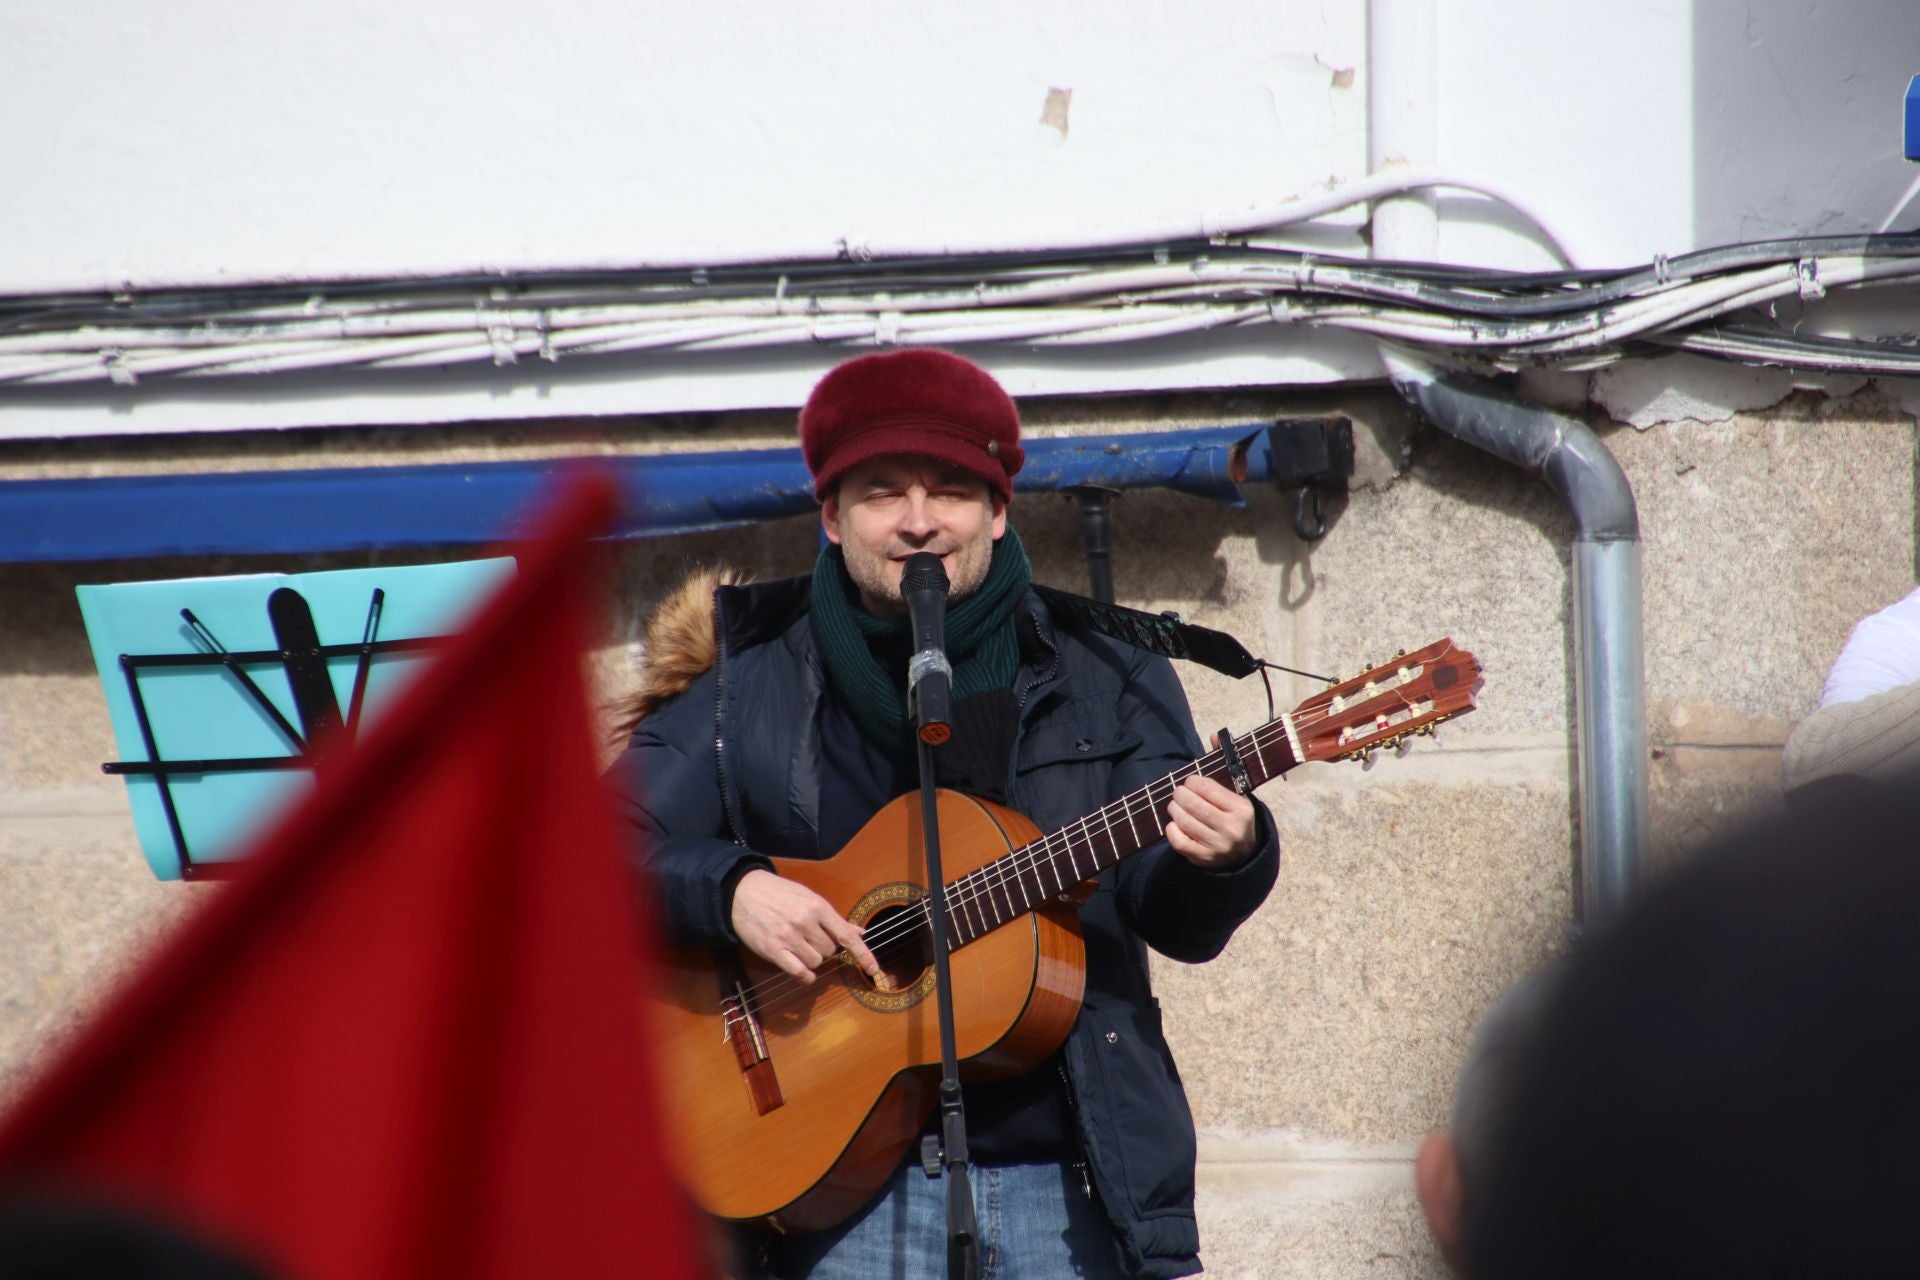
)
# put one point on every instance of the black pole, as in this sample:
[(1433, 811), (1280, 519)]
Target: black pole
[(923, 585), (1096, 532), (963, 1232)]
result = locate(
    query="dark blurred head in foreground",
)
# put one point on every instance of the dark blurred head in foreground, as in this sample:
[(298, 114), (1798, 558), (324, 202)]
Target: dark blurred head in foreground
[(64, 1236), (1724, 1082)]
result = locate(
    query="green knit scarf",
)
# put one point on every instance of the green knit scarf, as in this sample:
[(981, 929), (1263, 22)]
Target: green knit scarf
[(982, 643)]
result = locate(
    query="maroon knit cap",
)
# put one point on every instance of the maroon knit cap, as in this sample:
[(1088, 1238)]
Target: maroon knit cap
[(932, 404)]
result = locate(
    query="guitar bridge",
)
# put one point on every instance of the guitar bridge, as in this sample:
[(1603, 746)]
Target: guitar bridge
[(750, 1051)]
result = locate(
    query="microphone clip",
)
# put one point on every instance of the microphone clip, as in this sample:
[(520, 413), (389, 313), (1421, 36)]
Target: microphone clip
[(929, 662)]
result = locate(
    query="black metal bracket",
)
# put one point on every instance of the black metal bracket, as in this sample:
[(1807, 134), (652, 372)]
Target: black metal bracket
[(1315, 455)]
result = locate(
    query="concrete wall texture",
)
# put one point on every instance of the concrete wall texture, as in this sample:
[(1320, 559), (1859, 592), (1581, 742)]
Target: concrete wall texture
[(1324, 1043)]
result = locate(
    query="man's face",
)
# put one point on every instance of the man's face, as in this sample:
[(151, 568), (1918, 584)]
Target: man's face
[(890, 508)]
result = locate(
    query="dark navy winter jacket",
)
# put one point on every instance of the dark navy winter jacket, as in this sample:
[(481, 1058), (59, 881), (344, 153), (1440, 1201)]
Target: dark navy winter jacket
[(737, 754)]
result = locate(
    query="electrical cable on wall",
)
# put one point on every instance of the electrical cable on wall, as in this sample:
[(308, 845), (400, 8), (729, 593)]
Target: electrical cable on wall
[(1755, 303)]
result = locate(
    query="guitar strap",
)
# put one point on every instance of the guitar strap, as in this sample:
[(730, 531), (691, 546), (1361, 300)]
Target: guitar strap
[(1161, 633)]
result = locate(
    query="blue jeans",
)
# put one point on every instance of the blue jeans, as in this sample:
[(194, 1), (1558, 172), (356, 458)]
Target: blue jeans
[(1036, 1223)]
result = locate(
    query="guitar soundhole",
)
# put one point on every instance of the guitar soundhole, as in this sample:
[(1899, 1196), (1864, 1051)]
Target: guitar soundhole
[(902, 943), (895, 925)]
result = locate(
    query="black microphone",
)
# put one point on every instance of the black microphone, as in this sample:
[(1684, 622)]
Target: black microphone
[(923, 583)]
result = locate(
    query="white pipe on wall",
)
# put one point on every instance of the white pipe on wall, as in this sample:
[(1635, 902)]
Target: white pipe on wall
[(1403, 95)]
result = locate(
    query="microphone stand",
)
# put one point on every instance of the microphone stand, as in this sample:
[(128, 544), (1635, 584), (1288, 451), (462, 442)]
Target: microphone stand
[(963, 1233), (927, 691)]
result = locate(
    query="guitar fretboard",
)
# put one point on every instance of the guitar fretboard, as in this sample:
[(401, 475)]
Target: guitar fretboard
[(1027, 877)]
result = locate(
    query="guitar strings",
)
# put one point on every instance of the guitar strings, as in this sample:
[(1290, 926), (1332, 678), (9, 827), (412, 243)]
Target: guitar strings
[(1118, 815), (774, 993), (967, 891)]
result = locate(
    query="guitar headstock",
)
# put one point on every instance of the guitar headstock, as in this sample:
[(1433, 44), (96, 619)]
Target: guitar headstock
[(1384, 706)]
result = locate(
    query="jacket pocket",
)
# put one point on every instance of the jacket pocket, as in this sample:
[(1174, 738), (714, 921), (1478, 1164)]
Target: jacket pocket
[(1134, 1111), (1088, 734)]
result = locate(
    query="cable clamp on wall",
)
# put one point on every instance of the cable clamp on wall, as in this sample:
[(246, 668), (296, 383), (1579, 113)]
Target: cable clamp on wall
[(1807, 272), (500, 340), (119, 372), (543, 325)]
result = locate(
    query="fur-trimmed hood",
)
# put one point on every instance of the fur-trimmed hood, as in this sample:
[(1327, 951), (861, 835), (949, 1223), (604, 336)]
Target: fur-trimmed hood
[(679, 644)]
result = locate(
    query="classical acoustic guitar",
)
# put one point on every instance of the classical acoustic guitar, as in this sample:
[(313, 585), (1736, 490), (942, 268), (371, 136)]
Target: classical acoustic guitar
[(794, 1102)]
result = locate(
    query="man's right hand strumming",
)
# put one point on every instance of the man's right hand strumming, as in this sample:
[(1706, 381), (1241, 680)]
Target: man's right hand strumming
[(792, 927)]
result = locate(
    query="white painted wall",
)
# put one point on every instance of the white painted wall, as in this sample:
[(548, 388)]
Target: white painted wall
[(1796, 120), (226, 141), (1584, 107), (217, 141), (1652, 126)]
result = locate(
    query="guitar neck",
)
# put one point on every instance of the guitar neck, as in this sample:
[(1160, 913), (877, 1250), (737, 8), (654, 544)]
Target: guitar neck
[(1379, 707), (1011, 886)]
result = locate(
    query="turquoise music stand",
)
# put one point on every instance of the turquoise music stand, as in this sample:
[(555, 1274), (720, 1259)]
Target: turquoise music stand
[(218, 687)]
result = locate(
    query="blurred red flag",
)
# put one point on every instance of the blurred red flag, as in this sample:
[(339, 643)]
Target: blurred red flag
[(406, 1040)]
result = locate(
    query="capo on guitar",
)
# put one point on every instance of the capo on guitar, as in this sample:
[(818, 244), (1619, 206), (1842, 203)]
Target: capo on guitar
[(1236, 769)]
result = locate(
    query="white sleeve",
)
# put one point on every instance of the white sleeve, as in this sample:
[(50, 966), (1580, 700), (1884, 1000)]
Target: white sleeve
[(1882, 653)]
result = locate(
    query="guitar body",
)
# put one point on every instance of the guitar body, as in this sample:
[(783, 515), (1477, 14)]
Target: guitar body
[(799, 1109)]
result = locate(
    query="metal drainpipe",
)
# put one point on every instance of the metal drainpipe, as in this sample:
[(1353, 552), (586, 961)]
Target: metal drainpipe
[(1403, 96), (1608, 635)]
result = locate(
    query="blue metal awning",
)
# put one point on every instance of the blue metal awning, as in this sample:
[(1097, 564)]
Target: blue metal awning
[(351, 508)]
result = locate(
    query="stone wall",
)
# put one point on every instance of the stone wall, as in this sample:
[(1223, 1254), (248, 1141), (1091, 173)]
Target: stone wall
[(1323, 1044)]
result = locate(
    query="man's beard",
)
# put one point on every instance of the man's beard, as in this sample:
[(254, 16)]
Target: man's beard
[(968, 566)]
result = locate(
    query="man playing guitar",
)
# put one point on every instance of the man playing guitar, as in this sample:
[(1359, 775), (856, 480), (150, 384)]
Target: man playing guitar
[(772, 724)]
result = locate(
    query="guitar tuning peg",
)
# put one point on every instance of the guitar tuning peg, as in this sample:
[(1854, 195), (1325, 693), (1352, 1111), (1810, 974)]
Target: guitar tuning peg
[(1433, 731), (1401, 746), (1369, 759)]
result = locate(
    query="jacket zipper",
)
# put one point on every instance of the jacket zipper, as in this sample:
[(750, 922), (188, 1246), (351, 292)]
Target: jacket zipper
[(1020, 703), (1073, 1118), (1059, 1063), (719, 734)]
